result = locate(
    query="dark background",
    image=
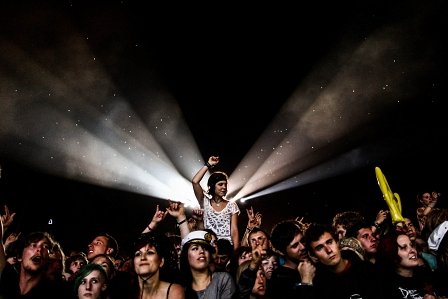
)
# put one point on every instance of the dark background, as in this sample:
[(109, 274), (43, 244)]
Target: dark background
[(230, 67)]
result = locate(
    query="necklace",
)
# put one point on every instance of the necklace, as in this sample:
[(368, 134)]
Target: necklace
[(217, 203)]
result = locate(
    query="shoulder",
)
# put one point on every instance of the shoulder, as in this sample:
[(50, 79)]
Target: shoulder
[(175, 290), (223, 276)]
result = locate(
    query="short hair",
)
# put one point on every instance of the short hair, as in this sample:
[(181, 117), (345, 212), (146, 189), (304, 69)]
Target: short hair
[(112, 243), (34, 237), (283, 233), (214, 178), (257, 229), (346, 219), (86, 270), (224, 247), (356, 227), (79, 256), (165, 249), (314, 232), (176, 240)]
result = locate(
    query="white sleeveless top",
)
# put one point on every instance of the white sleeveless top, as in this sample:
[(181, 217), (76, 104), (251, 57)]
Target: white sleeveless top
[(219, 222)]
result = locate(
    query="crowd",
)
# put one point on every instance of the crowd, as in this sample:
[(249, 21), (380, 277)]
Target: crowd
[(354, 257)]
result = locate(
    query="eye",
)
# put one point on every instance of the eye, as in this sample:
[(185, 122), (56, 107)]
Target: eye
[(94, 281), (83, 281)]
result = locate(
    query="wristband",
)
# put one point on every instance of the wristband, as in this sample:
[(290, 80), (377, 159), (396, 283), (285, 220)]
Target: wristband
[(376, 224), (149, 227), (179, 223), (208, 165)]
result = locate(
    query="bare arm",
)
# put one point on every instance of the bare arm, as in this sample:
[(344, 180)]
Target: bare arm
[(177, 210), (156, 219), (198, 192), (234, 231), (2, 251)]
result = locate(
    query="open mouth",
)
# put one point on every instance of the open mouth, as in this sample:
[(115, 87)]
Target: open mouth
[(36, 259)]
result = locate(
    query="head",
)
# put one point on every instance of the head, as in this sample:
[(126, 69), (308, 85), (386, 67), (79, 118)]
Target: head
[(119, 260), (225, 249), (398, 250), (34, 252), (259, 236), (217, 184), (269, 263), (410, 229), (154, 254), (286, 238), (102, 244), (176, 240), (74, 262), (56, 266), (322, 246), (424, 198), (363, 232), (351, 243), (107, 262), (91, 282), (345, 220), (259, 288), (239, 256), (196, 253)]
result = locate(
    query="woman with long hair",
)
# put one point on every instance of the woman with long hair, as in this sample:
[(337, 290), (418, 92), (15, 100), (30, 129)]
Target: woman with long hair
[(154, 268), (200, 280)]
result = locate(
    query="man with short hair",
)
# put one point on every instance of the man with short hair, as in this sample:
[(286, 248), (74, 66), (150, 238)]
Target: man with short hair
[(339, 274), (102, 244), (30, 281), (259, 236), (293, 279), (363, 232)]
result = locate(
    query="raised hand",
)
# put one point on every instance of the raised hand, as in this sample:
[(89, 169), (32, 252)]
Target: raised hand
[(253, 220), (176, 209), (198, 214), (7, 218), (158, 215), (12, 238)]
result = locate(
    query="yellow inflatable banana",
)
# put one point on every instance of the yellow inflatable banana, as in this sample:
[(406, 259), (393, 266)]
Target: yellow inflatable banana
[(392, 199)]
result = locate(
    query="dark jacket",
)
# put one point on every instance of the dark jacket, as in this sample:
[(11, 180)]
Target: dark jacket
[(360, 280)]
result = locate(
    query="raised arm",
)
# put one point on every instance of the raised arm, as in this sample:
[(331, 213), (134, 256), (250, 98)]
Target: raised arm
[(177, 210), (2, 250), (254, 220), (156, 219), (198, 192)]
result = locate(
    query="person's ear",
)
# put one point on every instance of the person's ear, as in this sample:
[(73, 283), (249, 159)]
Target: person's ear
[(104, 287), (109, 251), (162, 262)]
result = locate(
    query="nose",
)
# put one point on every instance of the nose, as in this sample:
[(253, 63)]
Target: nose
[(328, 249), (88, 285), (90, 246)]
